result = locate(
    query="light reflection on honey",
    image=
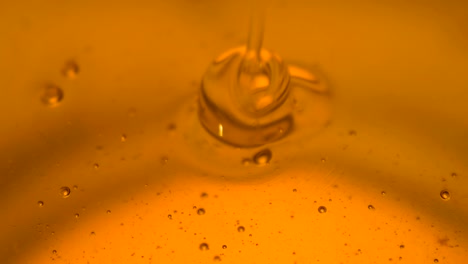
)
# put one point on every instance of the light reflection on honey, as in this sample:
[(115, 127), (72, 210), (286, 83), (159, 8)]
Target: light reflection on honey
[(134, 184)]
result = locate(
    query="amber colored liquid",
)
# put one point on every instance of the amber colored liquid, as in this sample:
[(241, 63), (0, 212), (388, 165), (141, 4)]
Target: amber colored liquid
[(118, 138)]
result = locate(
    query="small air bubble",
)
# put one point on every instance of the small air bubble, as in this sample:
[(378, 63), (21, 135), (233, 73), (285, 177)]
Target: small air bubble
[(123, 138), (294, 190), (370, 207), (93, 233), (77, 216), (445, 195), (65, 191), (169, 216), (383, 193), (322, 209), (40, 203), (204, 246), (240, 229), (108, 211), (96, 166), (70, 69), (52, 95), (436, 261), (246, 162), (323, 160), (402, 246), (224, 246), (54, 251), (164, 160), (201, 211), (217, 258), (203, 195), (262, 157), (454, 174), (75, 187)]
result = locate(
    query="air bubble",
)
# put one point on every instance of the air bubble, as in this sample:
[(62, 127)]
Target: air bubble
[(204, 246), (436, 261), (322, 209), (217, 258), (96, 166), (240, 229), (224, 246), (108, 211), (164, 160), (454, 174), (201, 211), (123, 138), (370, 207), (77, 216), (383, 193), (40, 203), (65, 191), (445, 195), (71, 69), (246, 162), (54, 251), (262, 157), (52, 95)]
